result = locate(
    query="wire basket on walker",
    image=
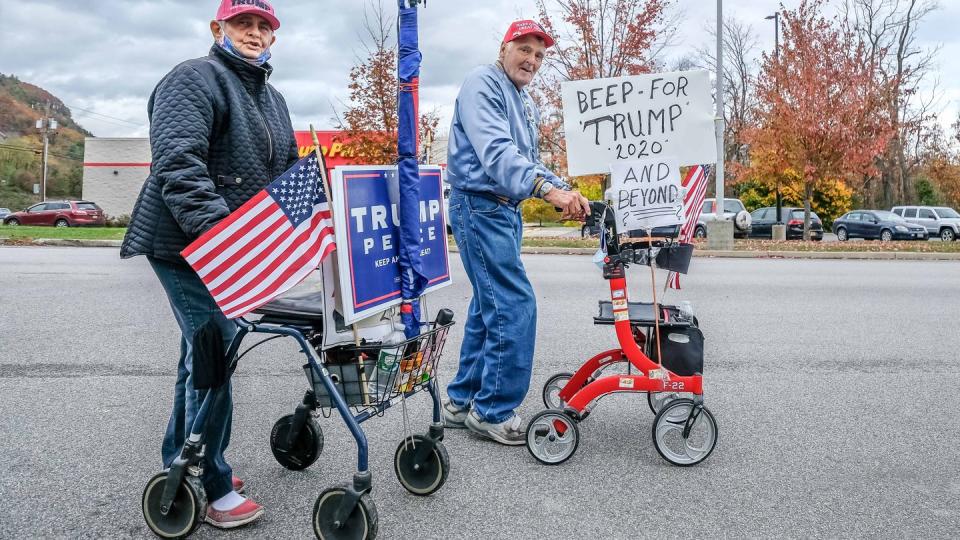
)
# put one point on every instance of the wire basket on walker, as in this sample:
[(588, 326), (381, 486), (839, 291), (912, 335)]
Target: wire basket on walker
[(661, 347), (377, 369)]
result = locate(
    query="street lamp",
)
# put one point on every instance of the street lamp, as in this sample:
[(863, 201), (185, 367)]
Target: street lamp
[(776, 54), (720, 127), (776, 35), (719, 231)]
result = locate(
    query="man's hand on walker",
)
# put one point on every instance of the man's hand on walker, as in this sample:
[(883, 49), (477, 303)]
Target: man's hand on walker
[(572, 204)]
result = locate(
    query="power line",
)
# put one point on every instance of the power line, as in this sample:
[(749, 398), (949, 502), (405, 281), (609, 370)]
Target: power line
[(72, 108), (36, 151), (20, 148)]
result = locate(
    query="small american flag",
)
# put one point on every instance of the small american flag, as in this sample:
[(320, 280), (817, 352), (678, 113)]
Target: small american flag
[(695, 185), (269, 244)]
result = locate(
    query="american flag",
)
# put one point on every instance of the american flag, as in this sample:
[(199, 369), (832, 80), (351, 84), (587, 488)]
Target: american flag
[(695, 186), (269, 244)]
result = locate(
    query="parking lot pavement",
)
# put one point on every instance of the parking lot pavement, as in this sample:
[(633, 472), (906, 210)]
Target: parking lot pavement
[(833, 383)]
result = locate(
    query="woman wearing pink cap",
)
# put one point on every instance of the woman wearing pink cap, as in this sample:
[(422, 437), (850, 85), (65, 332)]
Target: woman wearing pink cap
[(219, 133)]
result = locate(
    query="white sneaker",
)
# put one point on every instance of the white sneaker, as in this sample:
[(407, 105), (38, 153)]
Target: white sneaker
[(453, 416), (509, 432)]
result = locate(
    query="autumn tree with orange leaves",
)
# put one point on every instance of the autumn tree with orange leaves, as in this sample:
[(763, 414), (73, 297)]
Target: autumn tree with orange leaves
[(370, 121), (821, 111)]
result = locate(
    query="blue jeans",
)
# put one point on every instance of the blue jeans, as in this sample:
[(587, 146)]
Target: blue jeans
[(496, 357), (192, 307)]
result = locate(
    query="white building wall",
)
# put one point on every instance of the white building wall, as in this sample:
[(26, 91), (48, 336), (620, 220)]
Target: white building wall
[(114, 170)]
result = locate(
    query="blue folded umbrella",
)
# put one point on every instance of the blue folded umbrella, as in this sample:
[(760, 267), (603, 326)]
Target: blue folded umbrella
[(412, 278)]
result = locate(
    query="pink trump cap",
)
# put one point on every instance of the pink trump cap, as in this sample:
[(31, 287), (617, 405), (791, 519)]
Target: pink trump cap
[(231, 8)]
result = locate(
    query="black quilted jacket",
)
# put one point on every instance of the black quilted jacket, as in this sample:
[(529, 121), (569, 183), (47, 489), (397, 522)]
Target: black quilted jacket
[(219, 133)]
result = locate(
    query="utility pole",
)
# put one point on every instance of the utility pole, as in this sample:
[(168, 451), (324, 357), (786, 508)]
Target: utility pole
[(46, 125), (720, 126), (776, 54), (720, 231)]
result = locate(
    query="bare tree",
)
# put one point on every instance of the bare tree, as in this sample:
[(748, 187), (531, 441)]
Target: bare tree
[(889, 28), (370, 119), (740, 68)]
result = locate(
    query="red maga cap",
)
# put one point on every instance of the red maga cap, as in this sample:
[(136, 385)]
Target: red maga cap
[(527, 27), (231, 8)]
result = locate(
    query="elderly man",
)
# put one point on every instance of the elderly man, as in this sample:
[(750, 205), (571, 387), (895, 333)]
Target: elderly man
[(219, 133), (493, 165)]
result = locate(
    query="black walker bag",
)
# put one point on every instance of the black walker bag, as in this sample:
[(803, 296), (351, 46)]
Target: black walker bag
[(681, 347)]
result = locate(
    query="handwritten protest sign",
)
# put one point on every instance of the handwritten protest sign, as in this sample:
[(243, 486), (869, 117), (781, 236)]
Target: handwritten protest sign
[(646, 193), (638, 117)]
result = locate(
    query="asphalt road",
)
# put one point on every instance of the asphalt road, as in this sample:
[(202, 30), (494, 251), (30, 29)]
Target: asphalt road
[(834, 384)]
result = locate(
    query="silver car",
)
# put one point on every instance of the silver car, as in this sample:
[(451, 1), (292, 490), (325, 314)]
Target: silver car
[(938, 220), (733, 210)]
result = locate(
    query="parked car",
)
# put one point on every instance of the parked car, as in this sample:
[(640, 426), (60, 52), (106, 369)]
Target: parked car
[(938, 220), (4, 212), (59, 214), (733, 210), (876, 224), (763, 220)]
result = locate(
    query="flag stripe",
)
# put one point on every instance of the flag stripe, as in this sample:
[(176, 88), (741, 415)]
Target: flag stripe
[(244, 267), (216, 264), (245, 262), (277, 272), (212, 238), (269, 244), (696, 185), (282, 258), (267, 258), (327, 245)]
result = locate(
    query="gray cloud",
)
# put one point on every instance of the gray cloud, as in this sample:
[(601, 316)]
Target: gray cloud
[(107, 55)]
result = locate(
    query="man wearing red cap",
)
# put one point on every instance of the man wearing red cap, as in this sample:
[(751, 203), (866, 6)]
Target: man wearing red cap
[(493, 165), (219, 133)]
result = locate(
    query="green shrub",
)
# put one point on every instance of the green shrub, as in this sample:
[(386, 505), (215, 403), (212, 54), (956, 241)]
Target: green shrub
[(122, 221)]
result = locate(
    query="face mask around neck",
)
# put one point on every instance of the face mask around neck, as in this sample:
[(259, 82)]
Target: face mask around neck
[(226, 44)]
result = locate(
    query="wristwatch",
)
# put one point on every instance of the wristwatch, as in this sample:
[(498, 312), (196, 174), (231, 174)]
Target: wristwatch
[(545, 188)]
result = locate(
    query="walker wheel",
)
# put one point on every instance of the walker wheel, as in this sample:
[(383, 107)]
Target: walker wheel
[(552, 388), (305, 450), (361, 524), (187, 512), (656, 400), (425, 477), (684, 433), (552, 437)]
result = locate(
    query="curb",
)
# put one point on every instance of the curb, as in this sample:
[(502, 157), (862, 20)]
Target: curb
[(828, 255), (59, 242), (721, 254)]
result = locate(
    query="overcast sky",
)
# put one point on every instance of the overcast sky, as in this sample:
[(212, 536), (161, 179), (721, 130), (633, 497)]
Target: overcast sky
[(103, 57)]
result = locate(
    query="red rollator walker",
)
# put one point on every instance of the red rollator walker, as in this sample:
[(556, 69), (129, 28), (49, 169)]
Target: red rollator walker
[(661, 348)]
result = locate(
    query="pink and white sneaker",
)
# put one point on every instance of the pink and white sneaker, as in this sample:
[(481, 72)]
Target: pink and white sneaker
[(247, 512)]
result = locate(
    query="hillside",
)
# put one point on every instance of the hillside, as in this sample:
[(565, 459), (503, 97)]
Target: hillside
[(21, 105)]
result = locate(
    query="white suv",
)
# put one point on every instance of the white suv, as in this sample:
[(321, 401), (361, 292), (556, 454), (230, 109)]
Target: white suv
[(733, 210), (939, 220)]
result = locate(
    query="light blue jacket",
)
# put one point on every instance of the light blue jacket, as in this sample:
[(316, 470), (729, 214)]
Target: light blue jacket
[(493, 145)]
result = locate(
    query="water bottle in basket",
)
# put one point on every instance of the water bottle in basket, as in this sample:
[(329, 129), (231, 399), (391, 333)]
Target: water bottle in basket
[(384, 375)]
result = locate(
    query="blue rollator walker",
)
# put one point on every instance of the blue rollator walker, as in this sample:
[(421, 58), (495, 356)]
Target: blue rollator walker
[(359, 380)]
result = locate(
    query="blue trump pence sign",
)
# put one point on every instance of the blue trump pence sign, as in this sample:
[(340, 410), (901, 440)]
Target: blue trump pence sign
[(368, 236)]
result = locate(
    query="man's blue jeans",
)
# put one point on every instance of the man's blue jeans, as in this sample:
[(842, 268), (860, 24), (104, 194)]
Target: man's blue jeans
[(496, 357), (192, 307)]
